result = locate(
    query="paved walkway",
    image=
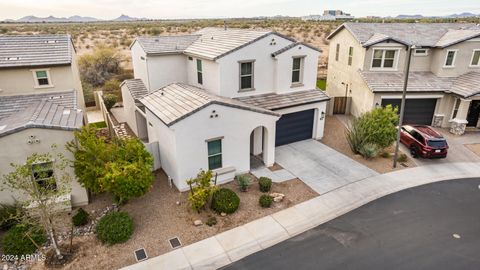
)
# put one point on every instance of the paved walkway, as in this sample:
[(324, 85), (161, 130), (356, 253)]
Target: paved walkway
[(319, 166), (95, 116), (232, 245)]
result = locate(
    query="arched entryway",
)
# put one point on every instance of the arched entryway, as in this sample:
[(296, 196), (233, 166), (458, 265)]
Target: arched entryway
[(258, 147)]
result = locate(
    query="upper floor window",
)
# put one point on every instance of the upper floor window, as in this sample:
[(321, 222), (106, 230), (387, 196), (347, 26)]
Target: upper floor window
[(246, 75), (350, 56), (42, 78), (214, 154), (199, 72), (297, 71), (337, 52), (475, 58), (420, 52), (450, 58), (383, 58)]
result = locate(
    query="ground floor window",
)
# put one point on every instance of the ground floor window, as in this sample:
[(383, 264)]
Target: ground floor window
[(214, 154), (43, 175), (455, 108)]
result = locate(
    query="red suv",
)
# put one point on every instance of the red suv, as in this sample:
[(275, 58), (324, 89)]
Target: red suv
[(423, 141)]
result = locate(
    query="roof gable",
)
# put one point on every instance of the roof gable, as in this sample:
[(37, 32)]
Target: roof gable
[(293, 45), (165, 44)]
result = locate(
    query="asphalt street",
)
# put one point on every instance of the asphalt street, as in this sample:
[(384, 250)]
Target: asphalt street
[(436, 226)]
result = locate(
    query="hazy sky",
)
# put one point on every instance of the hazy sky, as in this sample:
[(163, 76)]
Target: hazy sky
[(170, 9)]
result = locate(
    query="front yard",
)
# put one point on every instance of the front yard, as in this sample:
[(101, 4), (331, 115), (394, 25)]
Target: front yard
[(163, 213), (335, 138)]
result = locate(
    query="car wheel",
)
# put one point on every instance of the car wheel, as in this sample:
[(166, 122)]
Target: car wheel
[(413, 152)]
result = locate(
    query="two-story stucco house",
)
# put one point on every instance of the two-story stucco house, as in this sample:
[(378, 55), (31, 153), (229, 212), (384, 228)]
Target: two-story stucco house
[(41, 103), (367, 62), (217, 97)]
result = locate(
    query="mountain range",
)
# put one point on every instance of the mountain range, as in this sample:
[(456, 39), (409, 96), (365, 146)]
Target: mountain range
[(76, 18), (418, 16)]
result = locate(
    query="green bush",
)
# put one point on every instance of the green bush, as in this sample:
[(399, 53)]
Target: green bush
[(265, 184), (369, 150), (265, 201), (225, 201), (9, 215), (201, 190), (109, 100), (80, 218), (376, 127), (211, 221), (113, 228), (385, 154), (16, 241), (402, 158), (243, 182)]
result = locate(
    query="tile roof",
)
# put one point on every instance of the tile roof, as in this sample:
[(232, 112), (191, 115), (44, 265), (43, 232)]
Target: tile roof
[(53, 110), (136, 88), (35, 50), (166, 44), (421, 34), (217, 42), (177, 101), (293, 45), (273, 101), (465, 85)]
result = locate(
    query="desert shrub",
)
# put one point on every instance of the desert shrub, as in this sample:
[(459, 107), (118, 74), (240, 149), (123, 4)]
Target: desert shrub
[(100, 66), (243, 182), (109, 100), (112, 87), (402, 158), (369, 150), (376, 127), (265, 184), (80, 218), (385, 154), (225, 201), (201, 190), (18, 240), (10, 215), (265, 201), (114, 228), (211, 221)]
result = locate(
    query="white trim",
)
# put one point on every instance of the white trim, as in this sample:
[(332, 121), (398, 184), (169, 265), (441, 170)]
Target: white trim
[(471, 59), (300, 71), (420, 54), (35, 79), (436, 96), (453, 109), (395, 59), (453, 60)]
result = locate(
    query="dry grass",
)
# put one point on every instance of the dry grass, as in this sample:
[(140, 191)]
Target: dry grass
[(335, 138), (158, 218)]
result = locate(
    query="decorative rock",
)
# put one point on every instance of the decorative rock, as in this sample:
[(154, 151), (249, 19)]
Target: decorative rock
[(223, 214), (178, 203), (198, 222), (277, 197)]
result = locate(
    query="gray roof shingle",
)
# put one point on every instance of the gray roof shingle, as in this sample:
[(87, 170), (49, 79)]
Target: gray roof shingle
[(166, 44), (177, 101), (292, 45), (35, 50), (273, 101), (421, 34), (52, 110), (136, 88), (384, 82)]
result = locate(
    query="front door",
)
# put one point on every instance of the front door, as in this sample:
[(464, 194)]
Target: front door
[(473, 113)]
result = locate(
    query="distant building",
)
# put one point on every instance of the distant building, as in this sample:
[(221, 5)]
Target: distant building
[(329, 15)]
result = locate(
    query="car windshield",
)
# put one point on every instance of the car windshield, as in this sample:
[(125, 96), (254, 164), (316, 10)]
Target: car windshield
[(437, 143)]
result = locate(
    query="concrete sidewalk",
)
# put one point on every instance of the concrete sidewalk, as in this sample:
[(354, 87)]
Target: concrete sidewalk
[(232, 245)]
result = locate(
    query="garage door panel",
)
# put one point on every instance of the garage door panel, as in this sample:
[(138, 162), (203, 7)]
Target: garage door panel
[(417, 111), (294, 127)]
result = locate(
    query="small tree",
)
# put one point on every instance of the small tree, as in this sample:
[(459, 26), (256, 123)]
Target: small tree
[(40, 181), (100, 66), (201, 190)]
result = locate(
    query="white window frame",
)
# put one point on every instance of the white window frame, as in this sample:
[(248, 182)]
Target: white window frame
[(252, 86), (300, 75), (199, 71), (35, 78), (455, 109), (471, 59), (420, 54), (453, 61), (395, 59)]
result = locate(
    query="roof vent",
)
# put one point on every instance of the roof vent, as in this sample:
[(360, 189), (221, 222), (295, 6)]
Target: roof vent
[(3, 127), (12, 58), (56, 97), (157, 40), (50, 41), (65, 112)]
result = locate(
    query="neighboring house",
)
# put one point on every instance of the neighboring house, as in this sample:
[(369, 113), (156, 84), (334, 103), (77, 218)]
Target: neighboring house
[(41, 102), (367, 62), (329, 15), (214, 99)]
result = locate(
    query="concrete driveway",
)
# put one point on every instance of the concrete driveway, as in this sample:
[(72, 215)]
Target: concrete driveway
[(319, 166), (457, 151)]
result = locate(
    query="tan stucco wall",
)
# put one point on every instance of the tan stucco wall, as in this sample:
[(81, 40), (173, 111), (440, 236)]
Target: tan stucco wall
[(15, 150), (462, 60)]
